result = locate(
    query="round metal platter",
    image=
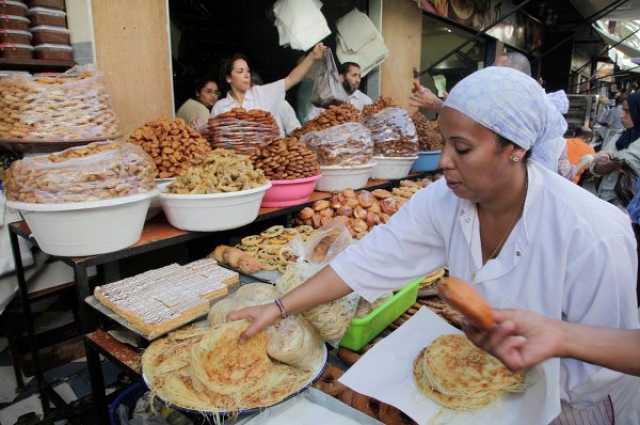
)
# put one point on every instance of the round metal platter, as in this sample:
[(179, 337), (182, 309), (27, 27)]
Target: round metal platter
[(248, 411)]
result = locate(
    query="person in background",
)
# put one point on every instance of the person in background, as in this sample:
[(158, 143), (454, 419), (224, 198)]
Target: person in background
[(515, 60), (195, 111), (351, 76), (236, 74), (579, 154), (422, 97), (552, 152), (286, 117), (611, 118), (621, 149)]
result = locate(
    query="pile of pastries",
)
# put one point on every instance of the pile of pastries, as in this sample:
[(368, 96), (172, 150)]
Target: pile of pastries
[(173, 145), (73, 106), (359, 211), (286, 159), (97, 171)]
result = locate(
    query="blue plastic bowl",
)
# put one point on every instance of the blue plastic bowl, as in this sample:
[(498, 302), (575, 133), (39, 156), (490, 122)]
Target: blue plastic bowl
[(129, 397), (427, 161)]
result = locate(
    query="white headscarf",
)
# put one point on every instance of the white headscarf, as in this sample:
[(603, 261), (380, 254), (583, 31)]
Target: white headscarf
[(516, 107)]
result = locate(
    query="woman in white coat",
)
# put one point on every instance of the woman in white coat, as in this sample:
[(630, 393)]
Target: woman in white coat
[(524, 236)]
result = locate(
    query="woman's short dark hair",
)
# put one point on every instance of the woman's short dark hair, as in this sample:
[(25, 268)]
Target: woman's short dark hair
[(227, 68), (346, 67), (201, 82)]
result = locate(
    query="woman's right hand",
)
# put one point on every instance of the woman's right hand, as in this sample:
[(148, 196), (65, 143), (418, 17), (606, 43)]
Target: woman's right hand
[(521, 339), (260, 317)]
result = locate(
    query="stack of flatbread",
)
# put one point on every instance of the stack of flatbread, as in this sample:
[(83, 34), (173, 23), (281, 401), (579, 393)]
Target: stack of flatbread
[(207, 369), (456, 374)]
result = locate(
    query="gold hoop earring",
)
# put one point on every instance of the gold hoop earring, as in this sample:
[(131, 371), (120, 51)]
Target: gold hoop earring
[(515, 158)]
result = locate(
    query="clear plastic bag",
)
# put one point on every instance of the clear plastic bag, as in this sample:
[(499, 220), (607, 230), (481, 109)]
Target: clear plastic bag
[(72, 106), (429, 136), (393, 133), (331, 319), (242, 131), (345, 144), (327, 89), (97, 171)]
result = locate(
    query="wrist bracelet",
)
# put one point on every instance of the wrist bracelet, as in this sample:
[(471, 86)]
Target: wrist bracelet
[(280, 305)]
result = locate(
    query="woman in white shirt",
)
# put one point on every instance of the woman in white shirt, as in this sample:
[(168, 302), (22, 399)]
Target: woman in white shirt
[(268, 97), (524, 236)]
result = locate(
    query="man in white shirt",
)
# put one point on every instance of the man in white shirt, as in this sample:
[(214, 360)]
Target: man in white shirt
[(351, 76)]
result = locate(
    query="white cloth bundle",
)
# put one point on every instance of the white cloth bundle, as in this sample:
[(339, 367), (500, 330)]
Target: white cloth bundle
[(300, 23)]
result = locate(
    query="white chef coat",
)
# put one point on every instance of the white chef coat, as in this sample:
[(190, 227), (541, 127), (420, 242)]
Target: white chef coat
[(357, 99), (571, 256), (268, 97), (286, 118)]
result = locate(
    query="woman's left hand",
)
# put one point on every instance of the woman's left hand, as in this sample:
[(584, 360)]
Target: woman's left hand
[(604, 164), (318, 51)]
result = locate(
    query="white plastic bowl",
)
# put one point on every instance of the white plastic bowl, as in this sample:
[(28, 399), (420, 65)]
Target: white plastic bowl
[(213, 212), (156, 206), (76, 229), (391, 168), (337, 178)]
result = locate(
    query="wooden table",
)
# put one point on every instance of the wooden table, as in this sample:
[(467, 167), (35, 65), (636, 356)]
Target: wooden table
[(156, 234)]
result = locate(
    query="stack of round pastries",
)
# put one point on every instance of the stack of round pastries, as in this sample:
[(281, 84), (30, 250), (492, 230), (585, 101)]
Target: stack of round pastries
[(456, 374)]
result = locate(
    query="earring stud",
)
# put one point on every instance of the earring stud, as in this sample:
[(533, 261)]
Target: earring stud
[(515, 158)]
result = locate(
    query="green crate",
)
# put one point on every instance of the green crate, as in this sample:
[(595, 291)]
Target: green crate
[(364, 329)]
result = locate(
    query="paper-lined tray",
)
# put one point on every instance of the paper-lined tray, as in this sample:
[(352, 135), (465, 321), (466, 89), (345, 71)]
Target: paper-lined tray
[(394, 383)]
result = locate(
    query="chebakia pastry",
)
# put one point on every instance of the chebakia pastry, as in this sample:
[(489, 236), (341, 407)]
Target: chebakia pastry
[(456, 374), (209, 370)]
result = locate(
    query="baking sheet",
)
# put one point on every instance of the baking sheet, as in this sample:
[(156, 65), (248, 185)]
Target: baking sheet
[(97, 305), (292, 412), (394, 384)]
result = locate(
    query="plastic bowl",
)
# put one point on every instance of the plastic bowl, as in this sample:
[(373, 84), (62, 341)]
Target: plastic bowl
[(427, 161), (337, 178), (156, 205), (213, 212), (284, 193), (76, 229), (392, 168)]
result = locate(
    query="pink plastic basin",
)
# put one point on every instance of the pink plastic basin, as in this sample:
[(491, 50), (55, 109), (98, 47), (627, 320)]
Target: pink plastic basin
[(284, 193)]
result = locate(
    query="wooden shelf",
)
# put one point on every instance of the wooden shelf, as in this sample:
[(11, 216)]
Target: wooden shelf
[(36, 65)]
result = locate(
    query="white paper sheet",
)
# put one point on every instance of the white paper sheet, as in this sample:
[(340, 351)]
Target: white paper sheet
[(386, 373)]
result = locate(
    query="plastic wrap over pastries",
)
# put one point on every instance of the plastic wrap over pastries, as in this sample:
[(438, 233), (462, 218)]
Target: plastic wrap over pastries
[(57, 107), (93, 172), (242, 130), (345, 144), (393, 133)]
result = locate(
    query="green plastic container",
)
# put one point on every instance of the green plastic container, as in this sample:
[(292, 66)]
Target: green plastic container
[(364, 329)]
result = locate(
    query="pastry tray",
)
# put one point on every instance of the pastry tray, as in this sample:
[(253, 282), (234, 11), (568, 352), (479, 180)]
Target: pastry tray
[(97, 305)]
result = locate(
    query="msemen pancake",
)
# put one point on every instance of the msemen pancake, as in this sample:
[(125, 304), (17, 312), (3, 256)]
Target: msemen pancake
[(456, 374), (208, 370)]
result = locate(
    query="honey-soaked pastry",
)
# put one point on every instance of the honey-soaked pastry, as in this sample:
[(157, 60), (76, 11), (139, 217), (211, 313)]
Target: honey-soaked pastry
[(173, 145), (221, 171)]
